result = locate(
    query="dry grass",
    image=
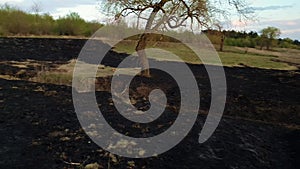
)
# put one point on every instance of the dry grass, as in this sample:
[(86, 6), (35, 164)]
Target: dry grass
[(282, 59), (63, 74)]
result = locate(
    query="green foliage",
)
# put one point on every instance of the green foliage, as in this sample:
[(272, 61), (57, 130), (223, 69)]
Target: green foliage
[(268, 38), (241, 42), (16, 22), (268, 35), (233, 38), (71, 24), (270, 32), (288, 43)]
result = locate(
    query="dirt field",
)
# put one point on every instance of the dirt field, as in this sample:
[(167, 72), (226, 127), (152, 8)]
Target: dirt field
[(39, 128)]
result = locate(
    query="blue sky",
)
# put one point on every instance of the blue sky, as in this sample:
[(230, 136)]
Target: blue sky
[(282, 14)]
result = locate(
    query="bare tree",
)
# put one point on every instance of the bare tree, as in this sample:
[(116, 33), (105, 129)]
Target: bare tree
[(171, 14), (36, 7), (221, 35)]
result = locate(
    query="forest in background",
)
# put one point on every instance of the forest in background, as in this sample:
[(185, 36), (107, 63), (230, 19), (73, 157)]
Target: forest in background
[(14, 21)]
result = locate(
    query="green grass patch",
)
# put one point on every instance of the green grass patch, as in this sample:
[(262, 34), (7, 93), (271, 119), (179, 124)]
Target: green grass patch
[(232, 57), (252, 60)]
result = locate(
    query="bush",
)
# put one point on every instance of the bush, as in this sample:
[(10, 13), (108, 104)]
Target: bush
[(16, 22), (241, 42)]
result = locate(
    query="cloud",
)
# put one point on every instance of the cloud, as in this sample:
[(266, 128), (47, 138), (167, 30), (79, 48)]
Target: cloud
[(290, 31), (265, 8), (87, 12), (289, 28), (67, 3), (293, 34), (13, 3), (239, 23), (9, 1), (283, 24), (49, 5)]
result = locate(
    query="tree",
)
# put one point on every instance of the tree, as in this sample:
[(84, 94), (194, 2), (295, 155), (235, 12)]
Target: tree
[(71, 24), (221, 34), (267, 36), (171, 14), (36, 8), (252, 34)]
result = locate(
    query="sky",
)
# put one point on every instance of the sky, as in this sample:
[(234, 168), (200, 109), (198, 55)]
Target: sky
[(283, 14)]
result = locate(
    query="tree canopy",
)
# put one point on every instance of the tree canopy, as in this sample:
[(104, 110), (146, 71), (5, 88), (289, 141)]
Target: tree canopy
[(268, 35), (171, 14)]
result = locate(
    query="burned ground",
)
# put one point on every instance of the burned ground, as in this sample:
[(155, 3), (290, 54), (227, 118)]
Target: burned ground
[(39, 128)]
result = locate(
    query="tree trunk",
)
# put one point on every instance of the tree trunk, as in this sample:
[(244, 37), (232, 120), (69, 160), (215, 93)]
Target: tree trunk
[(268, 45), (142, 43), (261, 44), (140, 48), (222, 43)]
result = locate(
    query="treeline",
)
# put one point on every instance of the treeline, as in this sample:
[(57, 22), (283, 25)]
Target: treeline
[(249, 39), (17, 22), (14, 21), (263, 40)]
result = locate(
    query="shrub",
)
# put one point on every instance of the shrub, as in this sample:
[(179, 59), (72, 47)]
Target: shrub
[(16, 22)]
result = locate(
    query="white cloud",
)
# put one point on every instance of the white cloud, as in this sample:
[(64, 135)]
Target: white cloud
[(87, 9), (275, 7), (10, 1), (87, 12), (52, 5), (49, 5), (289, 28), (290, 31), (14, 3)]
